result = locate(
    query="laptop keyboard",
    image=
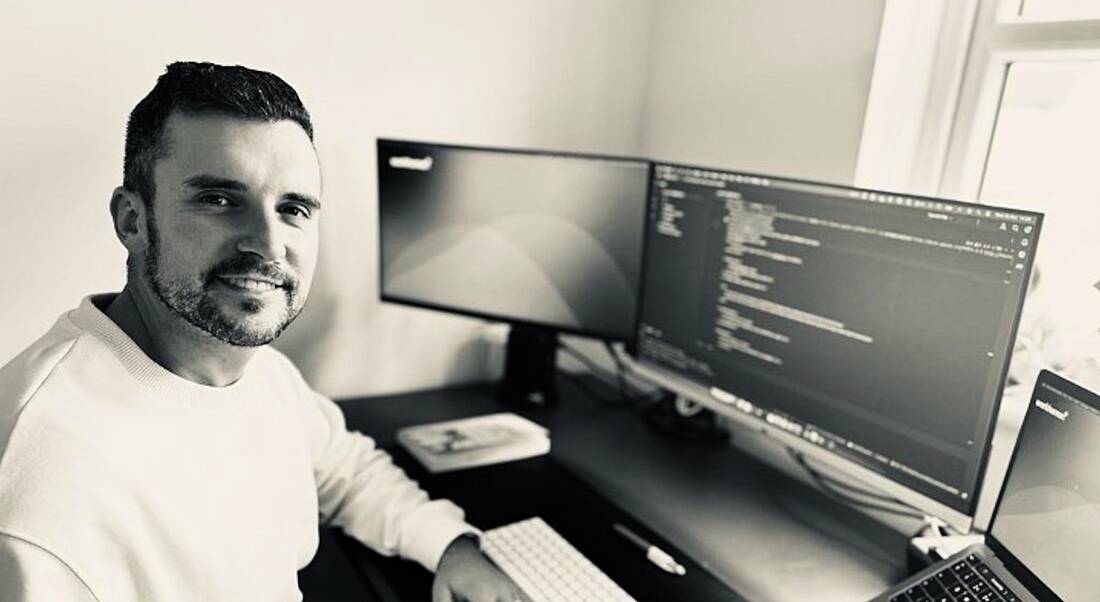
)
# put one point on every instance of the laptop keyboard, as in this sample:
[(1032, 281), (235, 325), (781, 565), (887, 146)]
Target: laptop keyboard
[(967, 580)]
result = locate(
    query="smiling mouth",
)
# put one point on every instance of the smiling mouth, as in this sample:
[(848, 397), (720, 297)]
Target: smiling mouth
[(255, 285)]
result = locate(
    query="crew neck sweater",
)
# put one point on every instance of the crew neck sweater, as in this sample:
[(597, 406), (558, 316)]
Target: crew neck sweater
[(121, 481)]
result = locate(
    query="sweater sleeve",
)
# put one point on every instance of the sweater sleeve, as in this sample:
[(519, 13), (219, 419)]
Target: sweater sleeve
[(360, 490), (29, 573)]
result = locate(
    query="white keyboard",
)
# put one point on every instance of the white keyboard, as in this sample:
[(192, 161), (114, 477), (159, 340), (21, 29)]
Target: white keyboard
[(546, 566)]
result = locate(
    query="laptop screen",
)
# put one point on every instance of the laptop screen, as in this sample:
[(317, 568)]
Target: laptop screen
[(1048, 515)]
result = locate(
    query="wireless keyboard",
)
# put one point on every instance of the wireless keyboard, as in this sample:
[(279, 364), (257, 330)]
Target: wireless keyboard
[(546, 566)]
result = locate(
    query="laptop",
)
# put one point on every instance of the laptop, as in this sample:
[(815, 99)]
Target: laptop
[(1045, 530)]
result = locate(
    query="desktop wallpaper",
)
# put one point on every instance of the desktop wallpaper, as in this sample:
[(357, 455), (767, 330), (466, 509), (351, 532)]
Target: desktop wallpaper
[(549, 239), (1049, 516)]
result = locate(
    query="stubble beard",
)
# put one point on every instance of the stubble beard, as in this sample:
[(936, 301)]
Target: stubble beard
[(200, 309)]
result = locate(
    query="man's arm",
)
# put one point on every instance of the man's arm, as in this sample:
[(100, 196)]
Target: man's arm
[(360, 490)]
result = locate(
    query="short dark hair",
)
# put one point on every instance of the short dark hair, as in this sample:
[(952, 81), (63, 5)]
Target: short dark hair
[(197, 88)]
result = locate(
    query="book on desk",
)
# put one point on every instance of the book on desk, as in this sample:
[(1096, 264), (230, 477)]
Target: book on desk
[(477, 441)]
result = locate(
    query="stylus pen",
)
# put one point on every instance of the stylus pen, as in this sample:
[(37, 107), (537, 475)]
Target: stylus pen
[(654, 554)]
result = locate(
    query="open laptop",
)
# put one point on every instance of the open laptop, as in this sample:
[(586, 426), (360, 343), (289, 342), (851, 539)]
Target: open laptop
[(1045, 529)]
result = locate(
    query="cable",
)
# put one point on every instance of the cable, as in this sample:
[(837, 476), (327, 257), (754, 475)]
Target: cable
[(851, 488), (833, 485), (830, 489), (584, 359), (646, 399), (623, 392), (617, 379), (846, 492), (582, 385), (596, 370)]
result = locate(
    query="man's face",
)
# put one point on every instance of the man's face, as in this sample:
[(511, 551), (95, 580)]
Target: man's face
[(233, 230)]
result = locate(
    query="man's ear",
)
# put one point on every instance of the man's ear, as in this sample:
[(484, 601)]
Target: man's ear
[(128, 215)]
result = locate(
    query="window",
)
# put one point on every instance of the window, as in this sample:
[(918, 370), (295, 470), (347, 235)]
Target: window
[(1044, 154)]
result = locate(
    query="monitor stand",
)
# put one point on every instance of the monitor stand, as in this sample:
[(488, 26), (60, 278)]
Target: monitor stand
[(530, 363)]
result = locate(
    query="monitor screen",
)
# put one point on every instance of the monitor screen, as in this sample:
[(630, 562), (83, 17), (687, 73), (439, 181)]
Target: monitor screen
[(542, 239), (1048, 516), (872, 325)]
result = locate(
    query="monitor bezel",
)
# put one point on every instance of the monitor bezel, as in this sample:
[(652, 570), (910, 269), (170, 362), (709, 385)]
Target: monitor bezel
[(962, 520), (628, 338)]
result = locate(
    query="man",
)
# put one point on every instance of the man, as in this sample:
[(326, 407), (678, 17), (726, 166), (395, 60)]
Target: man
[(152, 447)]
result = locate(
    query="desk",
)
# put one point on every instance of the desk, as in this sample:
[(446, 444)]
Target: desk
[(765, 534)]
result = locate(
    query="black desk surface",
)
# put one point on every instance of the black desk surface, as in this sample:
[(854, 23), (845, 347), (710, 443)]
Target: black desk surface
[(735, 521)]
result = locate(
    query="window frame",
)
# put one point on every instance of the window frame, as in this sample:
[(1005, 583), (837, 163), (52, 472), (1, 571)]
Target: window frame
[(936, 87)]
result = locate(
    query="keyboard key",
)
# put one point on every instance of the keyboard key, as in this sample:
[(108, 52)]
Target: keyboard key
[(947, 578), (932, 586)]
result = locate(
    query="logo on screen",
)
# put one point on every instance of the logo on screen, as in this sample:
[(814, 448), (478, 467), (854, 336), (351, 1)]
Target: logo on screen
[(1049, 409), (412, 163)]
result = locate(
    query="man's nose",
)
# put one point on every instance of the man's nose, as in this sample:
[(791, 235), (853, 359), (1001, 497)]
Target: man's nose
[(262, 236)]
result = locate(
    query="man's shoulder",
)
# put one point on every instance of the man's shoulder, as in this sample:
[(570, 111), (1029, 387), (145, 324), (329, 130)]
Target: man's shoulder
[(24, 375), (24, 381)]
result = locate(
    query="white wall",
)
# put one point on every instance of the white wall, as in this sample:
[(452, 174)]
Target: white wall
[(567, 74), (770, 86)]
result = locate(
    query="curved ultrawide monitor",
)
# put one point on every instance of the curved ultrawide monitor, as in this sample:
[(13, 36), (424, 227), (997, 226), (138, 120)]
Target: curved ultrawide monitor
[(870, 326), (542, 239)]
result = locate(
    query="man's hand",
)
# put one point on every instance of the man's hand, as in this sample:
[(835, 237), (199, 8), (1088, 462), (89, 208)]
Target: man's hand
[(465, 575)]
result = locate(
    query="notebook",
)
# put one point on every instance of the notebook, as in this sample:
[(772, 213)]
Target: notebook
[(1045, 528)]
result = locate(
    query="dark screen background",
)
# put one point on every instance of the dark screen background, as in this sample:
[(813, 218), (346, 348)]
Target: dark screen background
[(1049, 513), (548, 239)]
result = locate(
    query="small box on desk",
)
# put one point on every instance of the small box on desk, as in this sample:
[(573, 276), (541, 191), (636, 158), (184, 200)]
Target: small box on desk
[(477, 441)]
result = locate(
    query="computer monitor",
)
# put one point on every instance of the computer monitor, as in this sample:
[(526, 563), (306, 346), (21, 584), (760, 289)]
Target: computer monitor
[(548, 242), (870, 329)]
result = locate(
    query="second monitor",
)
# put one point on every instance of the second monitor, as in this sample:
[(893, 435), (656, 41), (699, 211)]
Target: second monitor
[(859, 325), (548, 242)]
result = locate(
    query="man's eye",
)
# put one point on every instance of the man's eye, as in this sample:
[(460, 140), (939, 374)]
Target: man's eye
[(296, 211), (215, 200)]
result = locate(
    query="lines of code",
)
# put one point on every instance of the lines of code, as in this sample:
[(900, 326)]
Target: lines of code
[(879, 322)]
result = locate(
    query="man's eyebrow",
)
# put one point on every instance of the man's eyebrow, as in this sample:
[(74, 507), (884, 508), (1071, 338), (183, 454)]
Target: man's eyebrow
[(206, 181)]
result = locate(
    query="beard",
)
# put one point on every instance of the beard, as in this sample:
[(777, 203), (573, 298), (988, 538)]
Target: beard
[(193, 301)]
